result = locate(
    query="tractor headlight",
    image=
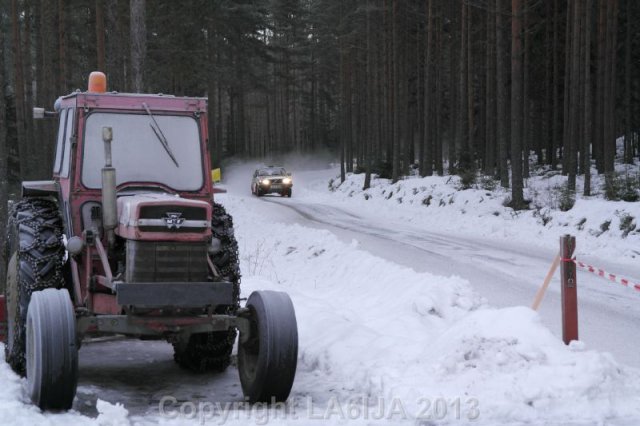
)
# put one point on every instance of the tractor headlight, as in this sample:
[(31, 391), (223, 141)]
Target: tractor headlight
[(265, 181), (286, 181)]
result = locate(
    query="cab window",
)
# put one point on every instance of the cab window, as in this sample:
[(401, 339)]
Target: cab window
[(66, 154), (61, 127)]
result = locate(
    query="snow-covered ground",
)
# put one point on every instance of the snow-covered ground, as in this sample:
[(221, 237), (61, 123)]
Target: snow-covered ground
[(383, 340), (610, 229)]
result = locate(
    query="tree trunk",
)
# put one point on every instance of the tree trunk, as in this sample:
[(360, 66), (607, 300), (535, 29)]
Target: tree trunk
[(517, 198), (566, 116), (628, 135), (439, 131), (573, 100), (470, 143), (62, 49), (526, 113), (100, 45), (543, 148), (395, 80), (4, 153), (554, 144), (453, 104), (219, 122), (369, 109), (36, 161), (461, 128), (501, 91), (426, 161), (342, 116), (586, 147), (19, 91), (610, 89), (212, 84), (598, 131), (138, 33), (490, 99), (47, 51)]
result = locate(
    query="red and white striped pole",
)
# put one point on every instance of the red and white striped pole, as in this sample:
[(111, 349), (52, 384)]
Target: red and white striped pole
[(569, 289)]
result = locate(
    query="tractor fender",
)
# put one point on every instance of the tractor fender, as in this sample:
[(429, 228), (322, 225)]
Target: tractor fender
[(40, 188)]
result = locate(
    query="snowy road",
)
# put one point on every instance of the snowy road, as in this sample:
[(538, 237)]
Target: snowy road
[(506, 273)]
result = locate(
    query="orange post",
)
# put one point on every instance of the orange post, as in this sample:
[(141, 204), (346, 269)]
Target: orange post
[(569, 289)]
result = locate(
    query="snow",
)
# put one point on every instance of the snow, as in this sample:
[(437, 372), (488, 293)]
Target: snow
[(439, 203), (383, 343)]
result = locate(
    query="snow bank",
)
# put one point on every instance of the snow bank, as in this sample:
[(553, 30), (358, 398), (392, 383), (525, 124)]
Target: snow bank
[(372, 328), (607, 228), (524, 373)]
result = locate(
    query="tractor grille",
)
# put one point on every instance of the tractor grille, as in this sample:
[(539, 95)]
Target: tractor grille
[(153, 261), (186, 213)]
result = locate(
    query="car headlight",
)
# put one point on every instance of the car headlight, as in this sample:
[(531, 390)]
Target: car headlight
[(286, 180), (265, 181)]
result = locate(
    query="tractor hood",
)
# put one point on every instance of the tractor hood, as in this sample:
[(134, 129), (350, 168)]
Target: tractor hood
[(163, 217)]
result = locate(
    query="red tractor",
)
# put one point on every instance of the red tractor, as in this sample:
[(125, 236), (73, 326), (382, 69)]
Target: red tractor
[(127, 240)]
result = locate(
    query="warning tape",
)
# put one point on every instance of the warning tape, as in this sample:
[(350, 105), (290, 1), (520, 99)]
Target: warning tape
[(606, 275)]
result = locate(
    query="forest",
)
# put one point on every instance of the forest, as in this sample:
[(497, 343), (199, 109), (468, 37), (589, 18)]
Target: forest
[(468, 87)]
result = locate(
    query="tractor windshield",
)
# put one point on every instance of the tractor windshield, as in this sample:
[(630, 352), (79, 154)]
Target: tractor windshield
[(138, 156)]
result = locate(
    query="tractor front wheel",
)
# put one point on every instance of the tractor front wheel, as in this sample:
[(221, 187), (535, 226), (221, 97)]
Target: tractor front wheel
[(52, 354), (267, 361)]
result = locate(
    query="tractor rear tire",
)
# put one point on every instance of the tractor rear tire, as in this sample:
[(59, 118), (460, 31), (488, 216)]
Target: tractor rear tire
[(206, 351), (36, 258), (267, 361), (52, 354), (212, 351)]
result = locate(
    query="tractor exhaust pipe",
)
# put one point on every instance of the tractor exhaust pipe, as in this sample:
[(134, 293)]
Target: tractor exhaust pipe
[(109, 206)]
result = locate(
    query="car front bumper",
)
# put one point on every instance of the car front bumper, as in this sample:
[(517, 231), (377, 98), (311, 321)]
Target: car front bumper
[(274, 188)]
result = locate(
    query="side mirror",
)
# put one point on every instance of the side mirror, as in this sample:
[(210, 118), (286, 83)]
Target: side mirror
[(38, 113), (41, 113)]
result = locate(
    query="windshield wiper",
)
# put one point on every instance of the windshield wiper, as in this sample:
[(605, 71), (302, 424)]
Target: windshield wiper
[(158, 132)]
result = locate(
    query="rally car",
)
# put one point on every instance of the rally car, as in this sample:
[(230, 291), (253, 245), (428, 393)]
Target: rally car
[(271, 180)]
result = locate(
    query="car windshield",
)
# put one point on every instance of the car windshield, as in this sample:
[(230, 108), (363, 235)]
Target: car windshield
[(138, 154), (272, 172)]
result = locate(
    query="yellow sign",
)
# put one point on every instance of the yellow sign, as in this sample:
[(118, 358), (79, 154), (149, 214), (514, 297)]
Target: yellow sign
[(216, 175)]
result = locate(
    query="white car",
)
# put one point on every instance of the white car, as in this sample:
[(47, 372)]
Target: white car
[(271, 180)]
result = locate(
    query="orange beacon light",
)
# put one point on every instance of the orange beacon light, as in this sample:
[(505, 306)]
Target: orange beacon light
[(97, 82)]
